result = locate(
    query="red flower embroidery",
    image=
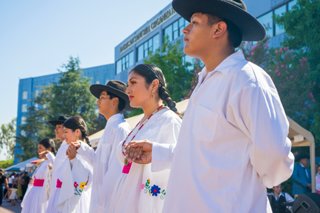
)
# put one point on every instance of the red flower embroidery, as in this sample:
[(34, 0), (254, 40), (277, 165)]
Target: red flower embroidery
[(75, 184)]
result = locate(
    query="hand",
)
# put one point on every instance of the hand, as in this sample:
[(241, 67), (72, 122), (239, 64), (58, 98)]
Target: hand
[(139, 151), (71, 152), (42, 155)]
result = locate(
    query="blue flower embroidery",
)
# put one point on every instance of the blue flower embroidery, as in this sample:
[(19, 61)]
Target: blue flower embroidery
[(155, 190)]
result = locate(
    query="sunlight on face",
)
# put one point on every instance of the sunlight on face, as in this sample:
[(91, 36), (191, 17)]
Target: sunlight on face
[(138, 91), (41, 148), (70, 135), (59, 131)]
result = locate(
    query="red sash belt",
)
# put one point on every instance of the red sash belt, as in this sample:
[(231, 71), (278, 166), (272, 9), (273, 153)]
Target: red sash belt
[(38, 182), (59, 183)]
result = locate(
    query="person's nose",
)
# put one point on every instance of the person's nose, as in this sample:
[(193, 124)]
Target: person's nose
[(186, 29)]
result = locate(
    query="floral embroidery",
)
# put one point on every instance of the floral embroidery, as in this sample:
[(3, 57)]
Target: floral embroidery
[(79, 188), (153, 190)]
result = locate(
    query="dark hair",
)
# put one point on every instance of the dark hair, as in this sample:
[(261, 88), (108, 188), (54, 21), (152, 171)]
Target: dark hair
[(48, 144), (234, 33), (122, 103), (77, 122), (151, 72)]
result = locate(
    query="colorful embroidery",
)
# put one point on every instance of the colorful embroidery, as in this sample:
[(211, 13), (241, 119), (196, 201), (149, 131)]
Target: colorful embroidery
[(153, 190), (78, 190)]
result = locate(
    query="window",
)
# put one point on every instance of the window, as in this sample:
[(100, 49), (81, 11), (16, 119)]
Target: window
[(24, 95), (125, 62), (279, 12), (24, 108), (36, 93), (291, 4), (23, 120), (97, 82), (149, 46), (266, 21), (174, 30)]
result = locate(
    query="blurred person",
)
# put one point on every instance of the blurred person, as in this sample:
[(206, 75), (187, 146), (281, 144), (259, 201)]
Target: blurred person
[(72, 189), (301, 177), (37, 195), (280, 201), (3, 184)]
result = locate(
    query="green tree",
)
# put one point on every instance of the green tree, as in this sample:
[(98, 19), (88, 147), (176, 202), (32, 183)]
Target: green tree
[(303, 35), (69, 96), (178, 73), (8, 137)]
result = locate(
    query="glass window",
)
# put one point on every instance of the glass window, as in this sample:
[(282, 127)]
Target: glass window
[(36, 93), (24, 108), (24, 95), (291, 4), (279, 12), (131, 59), (266, 21), (140, 52), (156, 42), (23, 120), (175, 30), (119, 68), (97, 82), (168, 33)]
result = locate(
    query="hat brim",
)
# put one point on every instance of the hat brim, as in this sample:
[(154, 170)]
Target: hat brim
[(96, 90), (55, 122), (250, 27)]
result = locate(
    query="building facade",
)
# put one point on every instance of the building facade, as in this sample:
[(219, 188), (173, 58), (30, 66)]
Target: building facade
[(30, 88), (166, 24)]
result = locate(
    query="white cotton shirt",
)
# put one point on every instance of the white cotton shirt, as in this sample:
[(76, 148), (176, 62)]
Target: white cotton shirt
[(106, 167), (232, 144), (143, 190)]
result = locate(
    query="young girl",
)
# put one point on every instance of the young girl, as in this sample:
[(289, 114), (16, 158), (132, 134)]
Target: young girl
[(37, 195), (73, 182), (140, 189)]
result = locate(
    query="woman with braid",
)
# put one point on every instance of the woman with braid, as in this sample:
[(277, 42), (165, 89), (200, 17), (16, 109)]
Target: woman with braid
[(73, 183), (142, 188)]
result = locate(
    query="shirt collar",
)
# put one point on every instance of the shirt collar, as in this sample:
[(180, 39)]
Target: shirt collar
[(228, 62), (115, 117)]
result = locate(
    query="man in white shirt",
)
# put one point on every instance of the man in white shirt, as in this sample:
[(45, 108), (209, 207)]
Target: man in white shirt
[(112, 101), (233, 140)]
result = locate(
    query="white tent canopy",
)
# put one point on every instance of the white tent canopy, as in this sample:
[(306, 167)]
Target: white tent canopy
[(299, 136)]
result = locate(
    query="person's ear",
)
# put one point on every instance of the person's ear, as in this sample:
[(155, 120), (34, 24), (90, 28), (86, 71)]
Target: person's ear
[(219, 29), (155, 85)]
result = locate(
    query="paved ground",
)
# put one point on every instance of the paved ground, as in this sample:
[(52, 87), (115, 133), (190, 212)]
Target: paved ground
[(9, 208)]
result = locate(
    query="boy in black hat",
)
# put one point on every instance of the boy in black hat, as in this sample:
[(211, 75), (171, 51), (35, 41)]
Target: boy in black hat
[(233, 140), (58, 130), (112, 101)]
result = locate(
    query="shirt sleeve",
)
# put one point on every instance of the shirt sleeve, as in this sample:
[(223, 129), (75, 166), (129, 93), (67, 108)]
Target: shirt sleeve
[(163, 150), (86, 152), (261, 116)]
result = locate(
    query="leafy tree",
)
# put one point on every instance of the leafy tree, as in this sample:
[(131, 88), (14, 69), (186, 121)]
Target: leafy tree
[(7, 137), (69, 96), (303, 35), (170, 58)]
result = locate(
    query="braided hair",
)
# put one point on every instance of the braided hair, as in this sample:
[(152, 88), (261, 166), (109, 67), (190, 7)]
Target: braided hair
[(77, 122), (151, 72)]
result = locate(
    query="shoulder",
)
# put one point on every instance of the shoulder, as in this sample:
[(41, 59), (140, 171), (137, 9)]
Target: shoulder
[(167, 115)]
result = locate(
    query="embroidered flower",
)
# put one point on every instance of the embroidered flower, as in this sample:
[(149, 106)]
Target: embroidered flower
[(75, 184), (82, 185), (155, 190)]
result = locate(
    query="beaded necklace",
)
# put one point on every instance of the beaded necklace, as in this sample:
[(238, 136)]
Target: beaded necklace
[(141, 123)]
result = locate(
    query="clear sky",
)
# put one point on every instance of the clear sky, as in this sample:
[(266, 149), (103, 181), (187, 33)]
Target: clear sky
[(38, 36)]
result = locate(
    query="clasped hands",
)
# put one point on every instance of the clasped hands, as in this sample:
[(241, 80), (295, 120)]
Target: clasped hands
[(139, 151)]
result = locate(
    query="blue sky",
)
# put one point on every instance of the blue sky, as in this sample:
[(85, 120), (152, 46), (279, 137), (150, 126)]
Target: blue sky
[(38, 36)]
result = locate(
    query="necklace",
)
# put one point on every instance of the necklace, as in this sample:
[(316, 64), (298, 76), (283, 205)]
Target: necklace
[(141, 123)]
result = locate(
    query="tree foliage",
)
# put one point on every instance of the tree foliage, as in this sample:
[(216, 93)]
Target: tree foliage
[(8, 137), (170, 58), (294, 66), (69, 96)]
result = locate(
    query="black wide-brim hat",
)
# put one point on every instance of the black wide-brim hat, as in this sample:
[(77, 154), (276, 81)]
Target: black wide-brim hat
[(61, 119), (234, 11), (115, 87)]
